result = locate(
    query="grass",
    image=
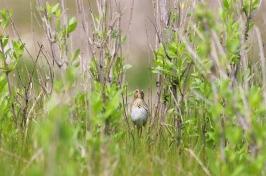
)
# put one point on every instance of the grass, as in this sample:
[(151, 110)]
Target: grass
[(66, 110)]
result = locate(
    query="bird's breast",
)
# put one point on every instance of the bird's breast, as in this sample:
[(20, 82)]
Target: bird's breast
[(139, 114)]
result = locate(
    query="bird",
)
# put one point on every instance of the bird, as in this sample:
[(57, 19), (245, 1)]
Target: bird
[(139, 110)]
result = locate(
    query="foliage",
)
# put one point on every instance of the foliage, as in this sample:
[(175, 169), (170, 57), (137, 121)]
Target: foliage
[(70, 117), (216, 107)]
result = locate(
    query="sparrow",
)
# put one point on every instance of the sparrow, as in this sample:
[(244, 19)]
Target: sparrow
[(139, 109)]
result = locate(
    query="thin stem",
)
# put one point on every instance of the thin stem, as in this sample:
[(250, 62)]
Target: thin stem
[(9, 84)]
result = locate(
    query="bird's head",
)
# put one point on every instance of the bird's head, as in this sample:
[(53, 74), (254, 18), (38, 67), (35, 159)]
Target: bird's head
[(138, 94)]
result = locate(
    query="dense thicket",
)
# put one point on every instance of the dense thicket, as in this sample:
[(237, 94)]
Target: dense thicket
[(64, 110)]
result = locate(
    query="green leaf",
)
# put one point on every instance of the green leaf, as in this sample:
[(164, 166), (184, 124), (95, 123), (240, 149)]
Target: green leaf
[(75, 55), (2, 56), (71, 75), (5, 16), (74, 58), (18, 49), (4, 41), (55, 8), (48, 8), (126, 67), (71, 26), (226, 4)]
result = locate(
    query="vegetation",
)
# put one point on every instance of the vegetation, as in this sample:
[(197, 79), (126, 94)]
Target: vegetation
[(65, 110)]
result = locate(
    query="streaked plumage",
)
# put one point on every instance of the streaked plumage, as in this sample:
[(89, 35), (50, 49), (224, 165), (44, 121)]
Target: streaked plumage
[(139, 109)]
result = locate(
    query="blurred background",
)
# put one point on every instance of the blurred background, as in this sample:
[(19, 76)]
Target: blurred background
[(138, 46)]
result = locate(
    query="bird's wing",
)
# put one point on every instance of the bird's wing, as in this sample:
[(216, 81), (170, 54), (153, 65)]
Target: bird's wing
[(145, 106)]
